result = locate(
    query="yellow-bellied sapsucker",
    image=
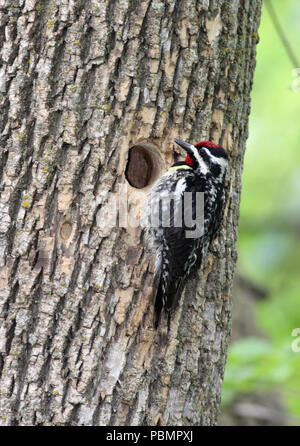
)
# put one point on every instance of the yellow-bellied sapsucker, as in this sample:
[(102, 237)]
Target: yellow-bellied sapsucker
[(181, 242)]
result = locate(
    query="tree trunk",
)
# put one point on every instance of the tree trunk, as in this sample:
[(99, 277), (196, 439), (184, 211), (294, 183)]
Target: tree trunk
[(82, 82)]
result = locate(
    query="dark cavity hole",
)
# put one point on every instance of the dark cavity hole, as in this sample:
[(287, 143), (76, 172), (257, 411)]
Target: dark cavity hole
[(139, 167)]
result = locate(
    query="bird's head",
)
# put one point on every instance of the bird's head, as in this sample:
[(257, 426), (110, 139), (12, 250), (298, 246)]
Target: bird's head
[(205, 156)]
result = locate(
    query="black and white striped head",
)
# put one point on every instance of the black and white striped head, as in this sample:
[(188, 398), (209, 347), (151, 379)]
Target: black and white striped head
[(205, 156)]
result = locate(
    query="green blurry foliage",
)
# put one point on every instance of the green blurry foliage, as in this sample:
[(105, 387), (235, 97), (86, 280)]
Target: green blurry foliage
[(269, 235)]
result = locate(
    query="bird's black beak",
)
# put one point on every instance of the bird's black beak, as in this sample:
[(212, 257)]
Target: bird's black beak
[(189, 148)]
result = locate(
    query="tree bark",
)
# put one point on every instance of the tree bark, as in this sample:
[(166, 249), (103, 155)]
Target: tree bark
[(82, 82)]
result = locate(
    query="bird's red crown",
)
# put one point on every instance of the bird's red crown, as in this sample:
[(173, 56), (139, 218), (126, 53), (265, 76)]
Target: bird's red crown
[(208, 144)]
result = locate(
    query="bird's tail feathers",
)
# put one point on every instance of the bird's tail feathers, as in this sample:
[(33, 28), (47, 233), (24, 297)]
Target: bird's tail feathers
[(166, 298)]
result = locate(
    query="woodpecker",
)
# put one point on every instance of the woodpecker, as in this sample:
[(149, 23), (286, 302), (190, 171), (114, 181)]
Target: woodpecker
[(180, 250)]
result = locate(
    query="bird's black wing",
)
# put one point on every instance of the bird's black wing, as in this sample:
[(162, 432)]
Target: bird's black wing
[(174, 259), (179, 255)]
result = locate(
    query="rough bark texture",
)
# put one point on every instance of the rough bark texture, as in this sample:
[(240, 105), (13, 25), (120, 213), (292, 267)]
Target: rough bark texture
[(82, 81)]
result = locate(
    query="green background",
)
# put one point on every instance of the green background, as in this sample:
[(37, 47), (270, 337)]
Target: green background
[(269, 234)]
